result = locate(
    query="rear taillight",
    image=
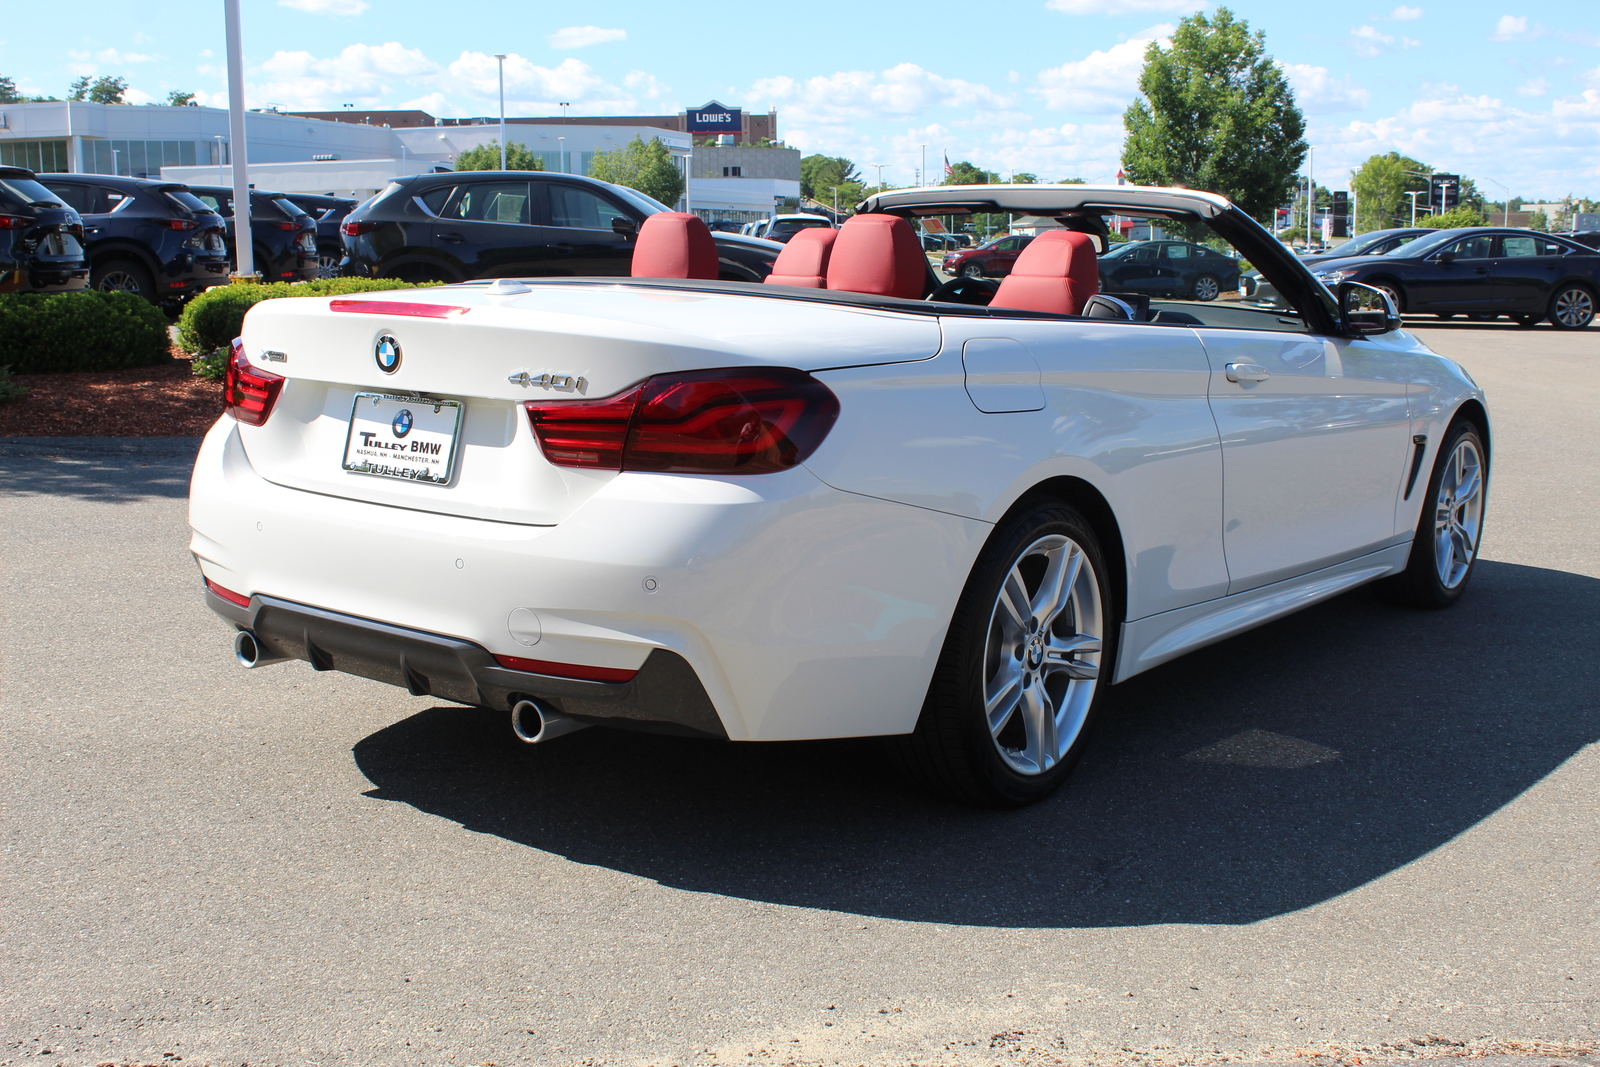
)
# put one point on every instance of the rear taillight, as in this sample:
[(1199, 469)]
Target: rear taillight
[(248, 393), (706, 422), (179, 224), (397, 307), (565, 670), (287, 226), (14, 222), (352, 228)]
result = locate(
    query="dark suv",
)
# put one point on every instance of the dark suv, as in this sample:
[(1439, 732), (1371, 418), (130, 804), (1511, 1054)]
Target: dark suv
[(329, 212), (41, 238), (284, 235), (515, 224), (147, 237)]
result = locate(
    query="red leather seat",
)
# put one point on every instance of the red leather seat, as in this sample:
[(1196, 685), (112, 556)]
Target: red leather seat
[(1057, 272), (878, 254), (804, 260), (674, 244)]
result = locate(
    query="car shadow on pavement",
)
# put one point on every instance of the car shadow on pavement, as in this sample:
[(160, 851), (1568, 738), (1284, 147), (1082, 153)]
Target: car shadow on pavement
[(1261, 775), (102, 469)]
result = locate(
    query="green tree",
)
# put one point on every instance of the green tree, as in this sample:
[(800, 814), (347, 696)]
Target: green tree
[(106, 90), (1024, 177), (965, 173), (643, 165), (487, 157), (8, 91), (1217, 114), (1072, 181), (1464, 215), (1380, 186), (178, 98), (1539, 221), (820, 175)]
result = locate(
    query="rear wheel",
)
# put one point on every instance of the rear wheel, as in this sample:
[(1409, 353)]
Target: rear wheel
[(1445, 549), (122, 276), (972, 270), (327, 263), (1205, 287), (1571, 307), (1018, 681)]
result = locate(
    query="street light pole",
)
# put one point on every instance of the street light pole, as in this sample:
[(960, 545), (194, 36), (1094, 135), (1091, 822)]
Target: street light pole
[(1505, 218), (1413, 194), (922, 171), (238, 150), (501, 59), (880, 167), (561, 153), (1311, 195)]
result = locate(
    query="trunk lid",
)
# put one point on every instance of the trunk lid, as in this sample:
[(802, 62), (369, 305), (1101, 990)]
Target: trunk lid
[(578, 341)]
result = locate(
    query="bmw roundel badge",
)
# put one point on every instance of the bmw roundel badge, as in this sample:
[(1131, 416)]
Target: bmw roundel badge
[(402, 422), (387, 353)]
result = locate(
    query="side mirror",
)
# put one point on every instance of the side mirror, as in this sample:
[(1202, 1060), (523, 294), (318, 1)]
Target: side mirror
[(1445, 257), (1365, 311), (625, 226)]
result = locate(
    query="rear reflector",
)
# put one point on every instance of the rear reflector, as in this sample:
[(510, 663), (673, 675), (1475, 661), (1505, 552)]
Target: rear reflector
[(396, 307), (248, 393), (565, 670), (735, 421), (228, 594)]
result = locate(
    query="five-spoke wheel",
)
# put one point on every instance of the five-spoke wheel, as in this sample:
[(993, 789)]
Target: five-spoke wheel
[(1450, 528)]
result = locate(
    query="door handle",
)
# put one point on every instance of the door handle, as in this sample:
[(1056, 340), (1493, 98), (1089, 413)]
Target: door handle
[(1480, 270), (453, 238), (565, 249), (97, 229), (1247, 372)]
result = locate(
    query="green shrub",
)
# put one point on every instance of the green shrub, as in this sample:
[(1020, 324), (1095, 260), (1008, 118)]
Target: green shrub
[(213, 366), (48, 333), (9, 389), (213, 319)]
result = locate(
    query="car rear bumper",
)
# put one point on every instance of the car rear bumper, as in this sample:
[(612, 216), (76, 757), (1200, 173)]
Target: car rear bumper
[(799, 611)]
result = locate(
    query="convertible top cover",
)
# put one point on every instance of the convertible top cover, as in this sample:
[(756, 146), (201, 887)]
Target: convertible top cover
[(1046, 200)]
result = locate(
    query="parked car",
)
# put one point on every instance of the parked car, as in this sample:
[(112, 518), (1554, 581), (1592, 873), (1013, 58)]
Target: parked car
[(1484, 272), (768, 512), (992, 259), (283, 233), (782, 227), (722, 226), (41, 238), (1373, 243), (329, 213), (1587, 238), (154, 238), (514, 224), (1168, 268)]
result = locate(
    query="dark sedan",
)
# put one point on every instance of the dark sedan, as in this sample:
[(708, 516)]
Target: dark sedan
[(1482, 272), (1372, 243), (1167, 268), (457, 226)]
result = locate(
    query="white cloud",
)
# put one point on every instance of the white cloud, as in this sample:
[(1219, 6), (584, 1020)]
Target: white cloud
[(1370, 41), (1317, 91), (327, 7), (645, 84), (114, 58), (1536, 87), (360, 74), (1103, 82), (1405, 14), (1125, 7), (571, 37), (1515, 28), (845, 97)]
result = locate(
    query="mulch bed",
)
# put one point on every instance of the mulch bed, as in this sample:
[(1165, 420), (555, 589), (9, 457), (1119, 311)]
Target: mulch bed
[(165, 400)]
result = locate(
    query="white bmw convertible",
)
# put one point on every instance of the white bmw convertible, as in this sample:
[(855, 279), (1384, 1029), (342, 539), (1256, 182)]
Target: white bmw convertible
[(851, 501)]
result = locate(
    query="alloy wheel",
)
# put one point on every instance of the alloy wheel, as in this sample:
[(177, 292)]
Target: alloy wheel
[(1574, 308), (1458, 514), (327, 267), (1041, 661), (1206, 288), (972, 270), (118, 281)]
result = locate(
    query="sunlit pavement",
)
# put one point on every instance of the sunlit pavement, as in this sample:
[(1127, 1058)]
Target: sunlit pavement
[(1357, 829)]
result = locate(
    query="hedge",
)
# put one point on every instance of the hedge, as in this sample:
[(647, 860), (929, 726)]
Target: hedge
[(48, 333), (214, 318)]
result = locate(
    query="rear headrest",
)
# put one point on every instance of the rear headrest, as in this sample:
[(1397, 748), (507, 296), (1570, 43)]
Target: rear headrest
[(804, 260), (1057, 272), (878, 254), (674, 244)]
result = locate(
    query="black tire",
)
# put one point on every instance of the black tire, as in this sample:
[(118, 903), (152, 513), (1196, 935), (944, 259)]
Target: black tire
[(953, 751), (1484, 316), (1396, 297), (1571, 307), (1205, 287), (1421, 584), (122, 275), (1527, 320), (1445, 315), (972, 270)]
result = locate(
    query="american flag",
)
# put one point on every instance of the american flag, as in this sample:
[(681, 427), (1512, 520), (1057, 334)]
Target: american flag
[(948, 171)]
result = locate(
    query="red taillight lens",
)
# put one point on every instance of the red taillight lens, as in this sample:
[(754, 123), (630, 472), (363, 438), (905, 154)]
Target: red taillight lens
[(228, 594), (565, 670), (705, 422), (356, 229), (287, 226), (248, 393), (180, 224), (397, 307), (14, 222)]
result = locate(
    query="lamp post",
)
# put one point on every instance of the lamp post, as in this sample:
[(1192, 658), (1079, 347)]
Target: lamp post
[(1311, 194), (239, 150), (1413, 194), (1505, 218), (501, 59), (922, 171), (561, 154), (879, 167)]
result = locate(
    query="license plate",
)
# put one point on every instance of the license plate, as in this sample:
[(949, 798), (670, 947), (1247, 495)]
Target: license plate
[(408, 437), (61, 245)]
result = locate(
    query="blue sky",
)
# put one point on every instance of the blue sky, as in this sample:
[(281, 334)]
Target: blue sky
[(1498, 90)]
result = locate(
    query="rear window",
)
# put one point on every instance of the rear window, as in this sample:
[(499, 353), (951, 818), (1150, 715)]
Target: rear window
[(220, 204), (186, 200), (25, 192), (287, 208)]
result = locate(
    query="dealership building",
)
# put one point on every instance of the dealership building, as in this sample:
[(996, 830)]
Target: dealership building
[(351, 153)]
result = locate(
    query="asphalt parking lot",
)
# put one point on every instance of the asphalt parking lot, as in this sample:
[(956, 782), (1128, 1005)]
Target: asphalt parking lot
[(1360, 832)]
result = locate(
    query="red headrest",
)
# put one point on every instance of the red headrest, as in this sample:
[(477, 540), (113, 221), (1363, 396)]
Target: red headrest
[(1057, 272), (674, 244), (804, 260), (878, 254)]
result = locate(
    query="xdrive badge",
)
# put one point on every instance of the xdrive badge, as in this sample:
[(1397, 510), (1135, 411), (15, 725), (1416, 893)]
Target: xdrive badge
[(387, 354)]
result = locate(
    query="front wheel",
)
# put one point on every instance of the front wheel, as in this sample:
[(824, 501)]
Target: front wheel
[(1445, 549), (1205, 287), (972, 270), (1571, 307), (1017, 683)]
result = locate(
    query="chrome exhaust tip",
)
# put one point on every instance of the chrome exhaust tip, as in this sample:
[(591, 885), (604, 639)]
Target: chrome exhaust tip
[(248, 651), (534, 721)]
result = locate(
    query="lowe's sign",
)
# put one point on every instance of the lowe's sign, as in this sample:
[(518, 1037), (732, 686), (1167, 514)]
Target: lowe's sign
[(714, 118)]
